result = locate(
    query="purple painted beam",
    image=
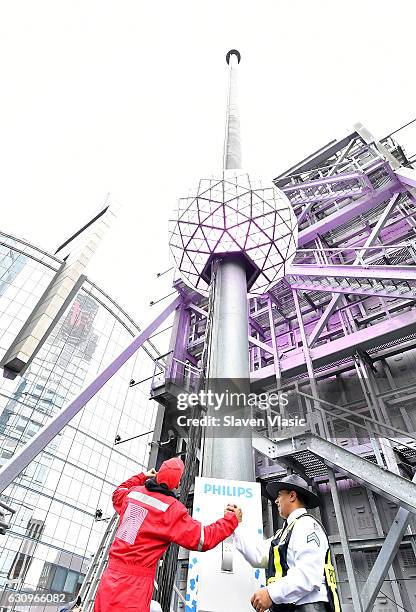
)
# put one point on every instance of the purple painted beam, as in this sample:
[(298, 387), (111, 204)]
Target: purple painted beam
[(348, 212), (44, 436), (279, 306), (256, 326), (349, 184), (329, 352), (336, 178), (178, 344), (305, 286), (398, 273), (305, 212)]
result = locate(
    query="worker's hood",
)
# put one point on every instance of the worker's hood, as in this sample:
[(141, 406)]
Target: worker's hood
[(154, 487), (170, 472)]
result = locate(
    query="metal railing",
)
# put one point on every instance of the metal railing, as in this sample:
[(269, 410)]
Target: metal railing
[(177, 371), (322, 416), (403, 253)]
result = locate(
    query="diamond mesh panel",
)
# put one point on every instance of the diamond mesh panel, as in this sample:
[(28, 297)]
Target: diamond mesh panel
[(229, 215)]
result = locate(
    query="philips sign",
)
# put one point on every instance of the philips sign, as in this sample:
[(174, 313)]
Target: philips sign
[(229, 491), (221, 579)]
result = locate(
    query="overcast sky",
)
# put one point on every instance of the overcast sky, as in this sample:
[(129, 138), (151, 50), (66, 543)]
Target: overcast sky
[(127, 97)]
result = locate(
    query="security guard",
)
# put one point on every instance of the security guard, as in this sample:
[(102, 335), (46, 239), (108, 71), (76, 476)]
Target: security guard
[(300, 574)]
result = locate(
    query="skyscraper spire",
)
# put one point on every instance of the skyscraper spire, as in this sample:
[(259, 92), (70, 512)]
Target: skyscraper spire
[(232, 141)]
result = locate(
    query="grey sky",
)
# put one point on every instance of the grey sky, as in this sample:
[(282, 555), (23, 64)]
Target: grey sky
[(128, 97)]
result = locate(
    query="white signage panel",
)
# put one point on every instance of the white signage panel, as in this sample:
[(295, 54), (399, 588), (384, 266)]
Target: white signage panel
[(221, 579)]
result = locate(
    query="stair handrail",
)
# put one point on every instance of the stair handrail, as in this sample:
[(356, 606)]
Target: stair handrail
[(97, 564), (401, 432)]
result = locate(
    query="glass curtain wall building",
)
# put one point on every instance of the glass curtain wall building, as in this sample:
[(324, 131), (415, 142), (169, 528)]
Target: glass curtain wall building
[(55, 532)]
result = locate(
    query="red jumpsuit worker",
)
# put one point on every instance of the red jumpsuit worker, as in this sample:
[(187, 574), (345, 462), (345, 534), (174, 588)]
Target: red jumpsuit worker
[(150, 518)]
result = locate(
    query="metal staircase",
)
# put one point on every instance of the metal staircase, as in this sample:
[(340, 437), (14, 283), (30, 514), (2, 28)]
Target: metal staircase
[(317, 454), (384, 464), (98, 565), (354, 285)]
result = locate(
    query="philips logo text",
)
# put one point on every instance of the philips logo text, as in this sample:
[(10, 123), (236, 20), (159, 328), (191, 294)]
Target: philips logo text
[(228, 490)]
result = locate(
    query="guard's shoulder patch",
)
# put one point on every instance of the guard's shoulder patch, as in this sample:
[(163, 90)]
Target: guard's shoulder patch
[(313, 537)]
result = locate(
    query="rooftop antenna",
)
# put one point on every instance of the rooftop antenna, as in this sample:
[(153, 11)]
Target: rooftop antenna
[(232, 140)]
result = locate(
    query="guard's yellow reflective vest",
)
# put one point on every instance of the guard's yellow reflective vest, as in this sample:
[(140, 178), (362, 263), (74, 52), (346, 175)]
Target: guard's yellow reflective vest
[(278, 567)]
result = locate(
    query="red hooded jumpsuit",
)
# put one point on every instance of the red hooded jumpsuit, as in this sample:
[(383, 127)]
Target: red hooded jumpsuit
[(149, 521)]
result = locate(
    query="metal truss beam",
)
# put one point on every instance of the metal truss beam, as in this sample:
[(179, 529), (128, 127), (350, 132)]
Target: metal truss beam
[(274, 450), (291, 464), (347, 213), (345, 152), (394, 487), (305, 212), (52, 428), (305, 286), (317, 159), (356, 601), (397, 273), (368, 243), (198, 310), (385, 557), (261, 345), (327, 180), (366, 543), (309, 364), (370, 139), (278, 305), (364, 186), (381, 333), (258, 328)]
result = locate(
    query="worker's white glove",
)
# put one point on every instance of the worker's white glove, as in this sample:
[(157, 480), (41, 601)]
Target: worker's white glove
[(151, 473), (237, 511)]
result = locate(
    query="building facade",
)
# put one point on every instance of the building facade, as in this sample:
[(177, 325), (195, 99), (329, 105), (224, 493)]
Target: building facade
[(62, 500)]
